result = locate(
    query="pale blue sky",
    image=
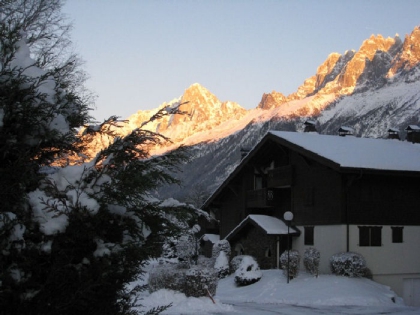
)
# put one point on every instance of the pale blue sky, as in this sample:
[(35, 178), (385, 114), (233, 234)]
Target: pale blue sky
[(140, 54)]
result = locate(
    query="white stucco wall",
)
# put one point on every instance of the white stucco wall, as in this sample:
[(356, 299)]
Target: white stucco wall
[(390, 263), (328, 239)]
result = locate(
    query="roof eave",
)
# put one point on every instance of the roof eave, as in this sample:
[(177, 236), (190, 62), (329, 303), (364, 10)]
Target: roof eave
[(359, 170)]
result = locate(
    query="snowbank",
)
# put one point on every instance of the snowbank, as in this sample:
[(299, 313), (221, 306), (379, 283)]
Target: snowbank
[(305, 290)]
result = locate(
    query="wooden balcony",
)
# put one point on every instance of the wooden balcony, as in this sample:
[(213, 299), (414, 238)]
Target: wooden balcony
[(280, 177), (262, 198)]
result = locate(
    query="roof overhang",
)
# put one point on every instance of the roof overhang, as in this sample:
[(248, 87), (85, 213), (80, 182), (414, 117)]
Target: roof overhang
[(268, 224), (271, 136)]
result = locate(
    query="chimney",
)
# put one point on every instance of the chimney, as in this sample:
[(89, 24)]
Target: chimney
[(309, 126), (393, 133), (345, 131), (413, 133)]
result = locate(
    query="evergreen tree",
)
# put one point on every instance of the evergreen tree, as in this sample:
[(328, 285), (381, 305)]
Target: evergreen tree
[(71, 238), (39, 107)]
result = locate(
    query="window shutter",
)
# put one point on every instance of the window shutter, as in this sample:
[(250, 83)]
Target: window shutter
[(397, 234), (376, 236), (364, 236)]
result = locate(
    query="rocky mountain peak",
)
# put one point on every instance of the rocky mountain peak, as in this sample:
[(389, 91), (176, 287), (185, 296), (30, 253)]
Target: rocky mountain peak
[(373, 44), (198, 101), (353, 73), (198, 94), (205, 111), (409, 56), (271, 100)]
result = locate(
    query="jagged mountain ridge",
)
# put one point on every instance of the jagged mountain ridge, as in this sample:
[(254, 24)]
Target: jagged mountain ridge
[(371, 90), (379, 61)]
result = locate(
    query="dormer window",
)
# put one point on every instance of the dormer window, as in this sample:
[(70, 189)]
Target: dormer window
[(393, 133), (413, 133), (345, 131), (309, 126)]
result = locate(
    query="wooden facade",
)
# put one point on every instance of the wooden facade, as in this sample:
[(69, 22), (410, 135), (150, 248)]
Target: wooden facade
[(349, 201), (279, 176)]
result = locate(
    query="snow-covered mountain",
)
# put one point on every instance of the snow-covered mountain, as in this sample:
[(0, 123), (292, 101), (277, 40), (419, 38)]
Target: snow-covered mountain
[(370, 90)]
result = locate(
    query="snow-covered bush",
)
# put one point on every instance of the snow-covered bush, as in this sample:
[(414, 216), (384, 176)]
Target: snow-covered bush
[(222, 245), (236, 262), (205, 261), (199, 281), (311, 258), (248, 271), (185, 247), (222, 265), (166, 276), (349, 264), (194, 281), (293, 259)]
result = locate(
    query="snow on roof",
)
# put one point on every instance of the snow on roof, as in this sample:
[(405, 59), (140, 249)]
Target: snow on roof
[(345, 128), (412, 127), (353, 152), (214, 238), (270, 225)]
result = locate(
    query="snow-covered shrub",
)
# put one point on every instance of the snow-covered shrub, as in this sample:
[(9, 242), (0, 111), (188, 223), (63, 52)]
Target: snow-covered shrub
[(294, 259), (311, 259), (222, 265), (199, 281), (194, 281), (222, 245), (205, 261), (248, 271), (236, 262), (348, 264), (166, 276), (185, 247), (168, 248)]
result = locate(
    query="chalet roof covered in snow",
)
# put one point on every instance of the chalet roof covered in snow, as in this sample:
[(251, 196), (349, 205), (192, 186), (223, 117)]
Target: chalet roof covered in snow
[(344, 154), (270, 225), (354, 152), (412, 128)]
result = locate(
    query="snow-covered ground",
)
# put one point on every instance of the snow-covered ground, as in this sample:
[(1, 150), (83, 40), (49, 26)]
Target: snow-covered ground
[(327, 294)]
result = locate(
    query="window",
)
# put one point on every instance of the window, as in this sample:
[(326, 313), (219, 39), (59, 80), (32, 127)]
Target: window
[(397, 234), (309, 235), (370, 235), (258, 182)]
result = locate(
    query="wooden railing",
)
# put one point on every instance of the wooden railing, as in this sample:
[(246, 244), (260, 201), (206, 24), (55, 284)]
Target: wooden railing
[(261, 198)]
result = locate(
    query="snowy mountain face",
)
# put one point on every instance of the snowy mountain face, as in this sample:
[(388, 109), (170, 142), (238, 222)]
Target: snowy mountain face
[(371, 90)]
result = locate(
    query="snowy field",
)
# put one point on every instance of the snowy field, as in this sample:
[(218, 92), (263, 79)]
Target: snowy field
[(327, 294)]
